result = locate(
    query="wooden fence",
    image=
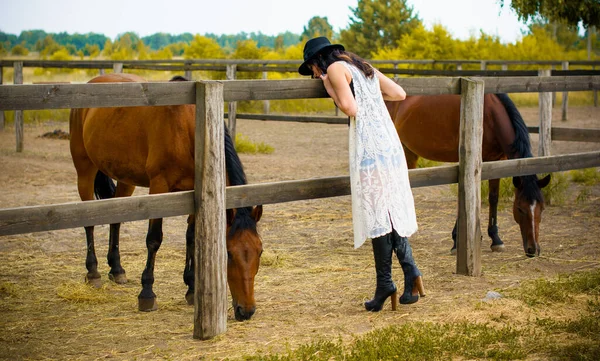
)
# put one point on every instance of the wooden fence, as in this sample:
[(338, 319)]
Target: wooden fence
[(210, 198), (231, 66)]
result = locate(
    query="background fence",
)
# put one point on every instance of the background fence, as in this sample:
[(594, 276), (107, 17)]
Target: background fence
[(210, 197)]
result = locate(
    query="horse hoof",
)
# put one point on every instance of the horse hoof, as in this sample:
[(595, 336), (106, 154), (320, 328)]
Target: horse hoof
[(147, 304), (497, 248), (189, 297), (453, 251), (119, 279), (94, 282)]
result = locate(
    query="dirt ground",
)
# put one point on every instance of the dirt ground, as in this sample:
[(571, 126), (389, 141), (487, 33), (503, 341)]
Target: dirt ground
[(311, 284)]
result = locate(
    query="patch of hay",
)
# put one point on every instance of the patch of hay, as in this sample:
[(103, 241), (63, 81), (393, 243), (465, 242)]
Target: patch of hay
[(79, 292)]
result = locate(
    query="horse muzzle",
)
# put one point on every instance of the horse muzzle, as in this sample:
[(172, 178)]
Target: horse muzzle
[(243, 314)]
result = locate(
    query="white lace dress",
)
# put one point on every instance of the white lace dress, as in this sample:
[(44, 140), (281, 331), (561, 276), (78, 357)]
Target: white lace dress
[(381, 193)]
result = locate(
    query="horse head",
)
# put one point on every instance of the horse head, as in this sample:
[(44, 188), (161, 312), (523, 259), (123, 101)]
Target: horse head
[(527, 210), (244, 248)]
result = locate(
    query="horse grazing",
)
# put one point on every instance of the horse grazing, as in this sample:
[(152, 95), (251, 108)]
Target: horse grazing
[(428, 127), (154, 147)]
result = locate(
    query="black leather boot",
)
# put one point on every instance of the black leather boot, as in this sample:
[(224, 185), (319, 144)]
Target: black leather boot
[(413, 282), (382, 251)]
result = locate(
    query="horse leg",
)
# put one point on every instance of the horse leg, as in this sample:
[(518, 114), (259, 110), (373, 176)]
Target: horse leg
[(86, 173), (497, 244), (411, 158), (117, 273), (147, 298), (188, 272), (454, 235)]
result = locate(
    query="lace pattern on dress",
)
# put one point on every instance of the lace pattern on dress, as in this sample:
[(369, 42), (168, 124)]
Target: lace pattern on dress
[(381, 193)]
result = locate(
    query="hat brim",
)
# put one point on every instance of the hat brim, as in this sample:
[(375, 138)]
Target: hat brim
[(304, 69)]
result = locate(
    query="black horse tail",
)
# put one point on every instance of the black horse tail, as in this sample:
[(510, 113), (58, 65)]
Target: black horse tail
[(104, 187), (521, 147)]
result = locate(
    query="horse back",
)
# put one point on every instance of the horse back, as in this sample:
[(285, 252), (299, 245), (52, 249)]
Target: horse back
[(429, 126), (137, 144)]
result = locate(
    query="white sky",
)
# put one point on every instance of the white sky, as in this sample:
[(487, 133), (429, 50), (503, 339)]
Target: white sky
[(145, 17)]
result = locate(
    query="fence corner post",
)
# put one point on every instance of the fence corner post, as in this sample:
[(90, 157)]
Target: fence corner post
[(468, 240), (210, 252)]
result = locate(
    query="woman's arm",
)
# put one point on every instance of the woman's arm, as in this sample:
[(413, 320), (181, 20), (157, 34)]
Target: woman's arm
[(337, 83), (389, 88)]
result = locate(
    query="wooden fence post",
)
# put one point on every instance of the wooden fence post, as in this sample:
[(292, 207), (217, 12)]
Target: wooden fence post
[(468, 245), (232, 111), (101, 71), (553, 93), (483, 65), (1, 111), (595, 92), (210, 255), (545, 110), (188, 72), (18, 79), (117, 67), (266, 103), (565, 95)]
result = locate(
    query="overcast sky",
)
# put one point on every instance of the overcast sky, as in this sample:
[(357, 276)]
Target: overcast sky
[(145, 17)]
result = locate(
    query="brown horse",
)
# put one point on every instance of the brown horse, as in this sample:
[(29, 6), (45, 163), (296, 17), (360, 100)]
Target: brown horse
[(428, 127), (154, 147)]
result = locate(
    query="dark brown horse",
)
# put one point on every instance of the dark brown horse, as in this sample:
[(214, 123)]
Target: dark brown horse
[(154, 147), (428, 127)]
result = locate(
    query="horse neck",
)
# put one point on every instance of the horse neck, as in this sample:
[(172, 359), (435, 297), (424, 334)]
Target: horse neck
[(509, 121)]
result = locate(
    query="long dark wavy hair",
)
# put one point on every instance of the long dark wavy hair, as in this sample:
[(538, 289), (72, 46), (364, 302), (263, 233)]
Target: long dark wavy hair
[(327, 58)]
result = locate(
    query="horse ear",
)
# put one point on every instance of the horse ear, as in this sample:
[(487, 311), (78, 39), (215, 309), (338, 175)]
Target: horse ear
[(257, 213), (230, 215), (516, 181), (544, 181)]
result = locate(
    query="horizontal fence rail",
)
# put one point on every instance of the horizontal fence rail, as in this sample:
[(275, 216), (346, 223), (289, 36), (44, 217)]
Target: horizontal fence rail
[(116, 210), (57, 96)]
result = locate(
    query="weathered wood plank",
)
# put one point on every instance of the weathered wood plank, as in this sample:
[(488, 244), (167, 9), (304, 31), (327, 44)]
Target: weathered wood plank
[(541, 84), (572, 134), (18, 79), (545, 111), (468, 239), (210, 296), (53, 96), (80, 214), (294, 118)]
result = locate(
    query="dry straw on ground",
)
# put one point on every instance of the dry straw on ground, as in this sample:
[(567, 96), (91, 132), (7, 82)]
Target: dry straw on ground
[(311, 284)]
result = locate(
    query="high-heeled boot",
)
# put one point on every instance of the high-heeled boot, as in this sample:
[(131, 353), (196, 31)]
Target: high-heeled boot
[(382, 252), (413, 282)]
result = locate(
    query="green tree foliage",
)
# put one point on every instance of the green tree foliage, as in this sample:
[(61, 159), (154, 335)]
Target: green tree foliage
[(30, 37), (317, 26), (203, 47), (47, 46), (378, 24), (571, 11), (161, 40), (19, 50)]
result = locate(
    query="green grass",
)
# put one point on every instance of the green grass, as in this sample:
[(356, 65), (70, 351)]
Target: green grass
[(244, 145), (562, 289), (544, 337)]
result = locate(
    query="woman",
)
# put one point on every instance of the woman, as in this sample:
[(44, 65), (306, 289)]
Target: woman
[(382, 202)]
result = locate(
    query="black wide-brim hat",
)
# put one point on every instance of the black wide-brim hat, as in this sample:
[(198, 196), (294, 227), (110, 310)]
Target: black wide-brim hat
[(314, 47)]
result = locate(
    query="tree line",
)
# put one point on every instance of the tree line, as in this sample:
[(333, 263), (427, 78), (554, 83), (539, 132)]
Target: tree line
[(377, 29)]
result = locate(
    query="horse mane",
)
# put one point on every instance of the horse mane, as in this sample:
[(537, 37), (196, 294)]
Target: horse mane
[(521, 148), (236, 176)]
